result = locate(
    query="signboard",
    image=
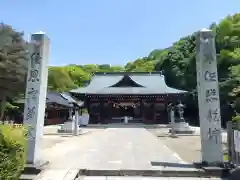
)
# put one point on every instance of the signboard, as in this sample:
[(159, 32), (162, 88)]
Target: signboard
[(208, 98)]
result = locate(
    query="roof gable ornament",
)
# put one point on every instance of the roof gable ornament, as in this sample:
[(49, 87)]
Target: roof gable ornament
[(127, 81)]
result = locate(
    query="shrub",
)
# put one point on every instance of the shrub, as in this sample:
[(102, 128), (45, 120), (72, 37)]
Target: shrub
[(13, 143)]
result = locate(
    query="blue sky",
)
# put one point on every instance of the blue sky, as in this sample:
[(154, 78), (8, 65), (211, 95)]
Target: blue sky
[(111, 31)]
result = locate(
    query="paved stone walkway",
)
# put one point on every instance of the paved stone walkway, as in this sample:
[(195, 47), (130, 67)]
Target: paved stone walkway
[(129, 148), (117, 148)]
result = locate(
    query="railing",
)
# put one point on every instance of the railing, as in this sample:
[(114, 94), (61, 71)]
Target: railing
[(233, 133)]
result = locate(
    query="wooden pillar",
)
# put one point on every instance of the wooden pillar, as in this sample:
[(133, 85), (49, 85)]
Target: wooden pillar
[(87, 101), (106, 112), (101, 112), (154, 112), (109, 112), (142, 110)]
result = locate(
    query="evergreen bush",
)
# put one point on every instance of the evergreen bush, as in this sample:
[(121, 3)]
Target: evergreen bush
[(13, 146)]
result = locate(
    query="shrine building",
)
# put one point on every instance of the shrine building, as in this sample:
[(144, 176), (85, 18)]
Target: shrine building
[(58, 108), (142, 96)]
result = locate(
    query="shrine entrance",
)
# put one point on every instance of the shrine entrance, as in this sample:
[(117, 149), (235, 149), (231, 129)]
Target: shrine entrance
[(129, 111), (125, 109)]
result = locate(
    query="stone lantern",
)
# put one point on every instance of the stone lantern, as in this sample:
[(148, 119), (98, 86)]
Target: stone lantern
[(180, 109), (181, 127)]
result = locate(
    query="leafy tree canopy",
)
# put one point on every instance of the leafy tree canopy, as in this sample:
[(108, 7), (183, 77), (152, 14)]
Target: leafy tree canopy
[(13, 65)]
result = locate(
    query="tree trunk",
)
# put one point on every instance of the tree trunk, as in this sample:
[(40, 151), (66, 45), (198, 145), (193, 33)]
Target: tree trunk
[(3, 103)]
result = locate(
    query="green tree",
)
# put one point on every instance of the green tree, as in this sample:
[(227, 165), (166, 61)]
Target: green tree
[(178, 64), (13, 64), (145, 64), (59, 80), (90, 68), (77, 75)]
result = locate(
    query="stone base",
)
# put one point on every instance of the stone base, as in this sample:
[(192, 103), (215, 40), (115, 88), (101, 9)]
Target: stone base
[(66, 131), (173, 135), (32, 170), (38, 165), (182, 131), (182, 128), (67, 127)]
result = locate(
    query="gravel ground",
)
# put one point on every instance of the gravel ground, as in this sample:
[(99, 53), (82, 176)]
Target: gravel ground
[(187, 147)]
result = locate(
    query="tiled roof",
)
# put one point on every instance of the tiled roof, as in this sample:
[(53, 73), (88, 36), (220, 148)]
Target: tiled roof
[(69, 98), (63, 99), (149, 83), (54, 97)]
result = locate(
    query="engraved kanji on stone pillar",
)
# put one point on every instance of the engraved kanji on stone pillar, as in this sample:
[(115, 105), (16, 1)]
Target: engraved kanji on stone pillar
[(208, 97), (35, 98)]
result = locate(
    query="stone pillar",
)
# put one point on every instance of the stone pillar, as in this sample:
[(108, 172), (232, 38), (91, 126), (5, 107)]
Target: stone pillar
[(76, 122), (172, 118), (35, 99), (70, 114), (125, 119), (208, 98)]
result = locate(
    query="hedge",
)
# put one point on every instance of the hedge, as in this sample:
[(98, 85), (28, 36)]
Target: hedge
[(13, 147)]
